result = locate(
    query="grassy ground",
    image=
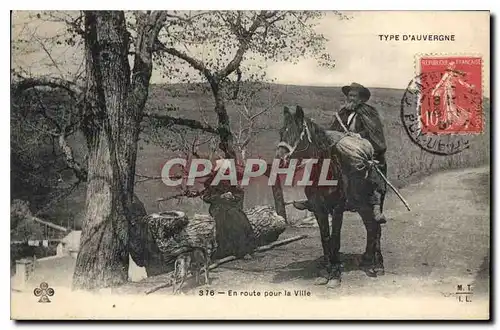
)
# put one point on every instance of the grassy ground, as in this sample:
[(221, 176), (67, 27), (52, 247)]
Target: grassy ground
[(407, 162)]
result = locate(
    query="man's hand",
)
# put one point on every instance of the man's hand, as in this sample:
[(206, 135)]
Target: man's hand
[(190, 193), (228, 195), (354, 135)]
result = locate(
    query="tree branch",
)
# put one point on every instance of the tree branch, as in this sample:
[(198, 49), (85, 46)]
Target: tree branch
[(49, 55), (44, 113), (191, 123), (139, 15), (57, 199), (80, 172), (148, 28), (144, 178), (27, 83), (190, 60), (244, 36), (61, 131), (158, 18), (186, 193), (188, 19), (73, 22)]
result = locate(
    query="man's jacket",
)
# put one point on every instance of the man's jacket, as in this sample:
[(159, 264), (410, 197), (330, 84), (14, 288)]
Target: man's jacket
[(368, 124)]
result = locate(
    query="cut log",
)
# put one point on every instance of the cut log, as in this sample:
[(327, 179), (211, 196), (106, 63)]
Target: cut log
[(198, 232), (267, 225), (162, 240)]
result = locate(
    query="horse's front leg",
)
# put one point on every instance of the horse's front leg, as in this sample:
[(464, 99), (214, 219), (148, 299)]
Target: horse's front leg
[(324, 230), (336, 272), (320, 210)]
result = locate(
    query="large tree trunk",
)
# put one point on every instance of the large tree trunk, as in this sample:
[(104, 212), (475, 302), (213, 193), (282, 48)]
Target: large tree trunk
[(224, 127), (103, 257), (114, 108)]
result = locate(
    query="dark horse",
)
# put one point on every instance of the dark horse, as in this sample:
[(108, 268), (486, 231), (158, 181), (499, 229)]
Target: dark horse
[(302, 139)]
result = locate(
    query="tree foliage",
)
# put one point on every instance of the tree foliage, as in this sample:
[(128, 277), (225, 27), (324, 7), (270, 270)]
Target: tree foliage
[(106, 80), (226, 48), (217, 43)]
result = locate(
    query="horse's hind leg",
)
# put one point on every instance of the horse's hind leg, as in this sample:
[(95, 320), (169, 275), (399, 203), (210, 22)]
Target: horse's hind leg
[(337, 219), (368, 259)]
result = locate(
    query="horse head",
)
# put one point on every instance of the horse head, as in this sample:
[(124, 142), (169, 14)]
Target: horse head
[(295, 135)]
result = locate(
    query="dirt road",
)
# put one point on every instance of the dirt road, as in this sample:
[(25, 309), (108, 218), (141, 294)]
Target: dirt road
[(442, 243)]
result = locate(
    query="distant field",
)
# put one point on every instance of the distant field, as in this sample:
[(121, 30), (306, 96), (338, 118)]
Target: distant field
[(407, 162)]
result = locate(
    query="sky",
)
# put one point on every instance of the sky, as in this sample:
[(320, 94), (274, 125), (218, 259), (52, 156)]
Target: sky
[(361, 57), (355, 45)]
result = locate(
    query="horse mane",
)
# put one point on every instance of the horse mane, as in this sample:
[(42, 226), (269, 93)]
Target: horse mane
[(318, 136)]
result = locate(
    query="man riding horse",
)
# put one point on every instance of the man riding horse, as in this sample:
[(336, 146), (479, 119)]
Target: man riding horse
[(363, 120), (301, 138)]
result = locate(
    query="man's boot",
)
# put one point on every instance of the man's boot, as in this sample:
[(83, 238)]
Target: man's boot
[(303, 205)]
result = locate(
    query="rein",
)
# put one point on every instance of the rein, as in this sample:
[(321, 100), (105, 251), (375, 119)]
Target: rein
[(292, 150)]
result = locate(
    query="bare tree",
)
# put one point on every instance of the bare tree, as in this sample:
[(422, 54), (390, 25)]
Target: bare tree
[(111, 104), (109, 100), (229, 38), (249, 113), (219, 48)]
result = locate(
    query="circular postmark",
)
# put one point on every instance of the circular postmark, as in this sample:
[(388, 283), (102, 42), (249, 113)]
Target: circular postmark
[(424, 117)]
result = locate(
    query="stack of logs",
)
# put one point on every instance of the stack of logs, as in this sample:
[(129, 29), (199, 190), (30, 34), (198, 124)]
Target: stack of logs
[(157, 239)]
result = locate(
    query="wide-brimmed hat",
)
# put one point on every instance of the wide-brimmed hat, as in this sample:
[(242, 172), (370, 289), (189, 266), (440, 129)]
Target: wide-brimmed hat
[(364, 93)]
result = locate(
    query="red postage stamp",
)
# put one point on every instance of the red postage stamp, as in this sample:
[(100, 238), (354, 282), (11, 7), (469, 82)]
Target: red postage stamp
[(451, 94)]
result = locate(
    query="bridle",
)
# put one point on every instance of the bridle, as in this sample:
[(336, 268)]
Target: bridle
[(305, 131)]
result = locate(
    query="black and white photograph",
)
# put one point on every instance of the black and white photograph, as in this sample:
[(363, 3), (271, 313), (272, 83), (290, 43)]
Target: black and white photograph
[(250, 165)]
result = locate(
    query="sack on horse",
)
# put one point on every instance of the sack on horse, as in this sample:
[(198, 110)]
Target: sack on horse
[(361, 182), (355, 152)]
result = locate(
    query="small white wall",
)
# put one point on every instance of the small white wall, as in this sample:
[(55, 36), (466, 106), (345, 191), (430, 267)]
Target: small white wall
[(135, 273), (60, 251), (72, 240)]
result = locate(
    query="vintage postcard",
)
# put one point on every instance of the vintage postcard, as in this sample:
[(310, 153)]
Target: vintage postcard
[(250, 165)]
